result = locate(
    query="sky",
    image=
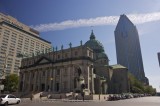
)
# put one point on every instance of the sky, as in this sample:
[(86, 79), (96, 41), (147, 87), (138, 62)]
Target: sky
[(65, 21)]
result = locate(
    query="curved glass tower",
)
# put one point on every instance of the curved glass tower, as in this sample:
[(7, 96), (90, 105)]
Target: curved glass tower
[(128, 48)]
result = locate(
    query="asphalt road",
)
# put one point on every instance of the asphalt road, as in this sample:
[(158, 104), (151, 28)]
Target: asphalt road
[(144, 101)]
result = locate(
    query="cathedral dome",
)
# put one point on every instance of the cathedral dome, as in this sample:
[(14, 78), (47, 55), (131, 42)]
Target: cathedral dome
[(94, 44), (102, 55)]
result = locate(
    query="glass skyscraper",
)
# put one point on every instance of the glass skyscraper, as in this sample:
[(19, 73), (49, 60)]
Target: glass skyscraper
[(128, 48), (159, 58)]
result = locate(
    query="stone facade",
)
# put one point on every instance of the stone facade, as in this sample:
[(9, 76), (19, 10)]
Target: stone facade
[(59, 71), (118, 77), (84, 68)]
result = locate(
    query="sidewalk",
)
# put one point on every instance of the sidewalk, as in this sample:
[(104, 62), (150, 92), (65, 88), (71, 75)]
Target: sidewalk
[(54, 100), (67, 100)]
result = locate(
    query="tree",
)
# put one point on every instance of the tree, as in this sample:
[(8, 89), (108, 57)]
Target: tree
[(150, 90), (136, 90), (11, 83), (137, 86)]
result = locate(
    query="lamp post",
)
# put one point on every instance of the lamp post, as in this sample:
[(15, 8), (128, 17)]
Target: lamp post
[(129, 85), (51, 81), (101, 81), (99, 88)]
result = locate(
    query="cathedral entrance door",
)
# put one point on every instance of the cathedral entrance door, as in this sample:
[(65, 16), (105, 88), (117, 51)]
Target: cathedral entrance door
[(43, 87)]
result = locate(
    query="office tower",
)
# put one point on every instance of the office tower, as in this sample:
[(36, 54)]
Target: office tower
[(159, 58), (128, 48), (15, 37)]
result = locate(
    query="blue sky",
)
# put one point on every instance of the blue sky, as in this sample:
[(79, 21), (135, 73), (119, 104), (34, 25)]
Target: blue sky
[(65, 21)]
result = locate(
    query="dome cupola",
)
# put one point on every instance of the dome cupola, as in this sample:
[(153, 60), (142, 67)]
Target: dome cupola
[(98, 49), (92, 36), (94, 44)]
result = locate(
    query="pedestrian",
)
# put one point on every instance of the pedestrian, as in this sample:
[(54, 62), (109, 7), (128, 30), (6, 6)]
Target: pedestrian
[(76, 97), (40, 96), (48, 96), (82, 94), (31, 97)]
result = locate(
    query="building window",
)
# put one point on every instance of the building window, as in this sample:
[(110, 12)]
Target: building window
[(66, 55), (65, 85), (43, 73), (65, 71), (58, 56), (90, 54), (76, 53), (58, 72), (33, 75)]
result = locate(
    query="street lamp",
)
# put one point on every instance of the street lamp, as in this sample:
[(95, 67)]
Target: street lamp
[(129, 85), (101, 81)]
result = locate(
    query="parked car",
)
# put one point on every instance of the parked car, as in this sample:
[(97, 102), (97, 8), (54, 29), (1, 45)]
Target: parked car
[(114, 97), (6, 99)]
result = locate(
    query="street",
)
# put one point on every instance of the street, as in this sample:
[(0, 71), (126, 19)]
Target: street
[(144, 101)]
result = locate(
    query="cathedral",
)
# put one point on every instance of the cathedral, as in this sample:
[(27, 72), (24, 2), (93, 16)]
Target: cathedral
[(84, 68)]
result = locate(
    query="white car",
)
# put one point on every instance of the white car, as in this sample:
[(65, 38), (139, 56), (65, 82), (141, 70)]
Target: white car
[(9, 99)]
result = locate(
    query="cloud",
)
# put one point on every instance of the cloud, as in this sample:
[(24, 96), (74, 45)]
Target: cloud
[(99, 21), (143, 18)]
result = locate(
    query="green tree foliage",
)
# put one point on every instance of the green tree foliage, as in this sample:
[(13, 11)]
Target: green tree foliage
[(138, 87), (136, 90), (150, 90), (11, 83)]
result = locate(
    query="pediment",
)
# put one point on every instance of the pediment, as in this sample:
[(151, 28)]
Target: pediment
[(43, 60)]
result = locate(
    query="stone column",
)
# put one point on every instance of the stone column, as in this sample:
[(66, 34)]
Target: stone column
[(88, 77), (23, 87), (46, 79), (29, 82), (19, 83), (60, 80), (92, 80), (39, 80), (34, 75), (50, 79), (25, 82), (35, 81), (54, 80), (71, 78)]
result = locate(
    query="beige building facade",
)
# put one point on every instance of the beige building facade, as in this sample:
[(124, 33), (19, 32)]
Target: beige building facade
[(16, 38)]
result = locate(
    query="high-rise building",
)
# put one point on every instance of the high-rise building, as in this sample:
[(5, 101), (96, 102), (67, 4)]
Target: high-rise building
[(159, 58), (128, 48), (15, 37)]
